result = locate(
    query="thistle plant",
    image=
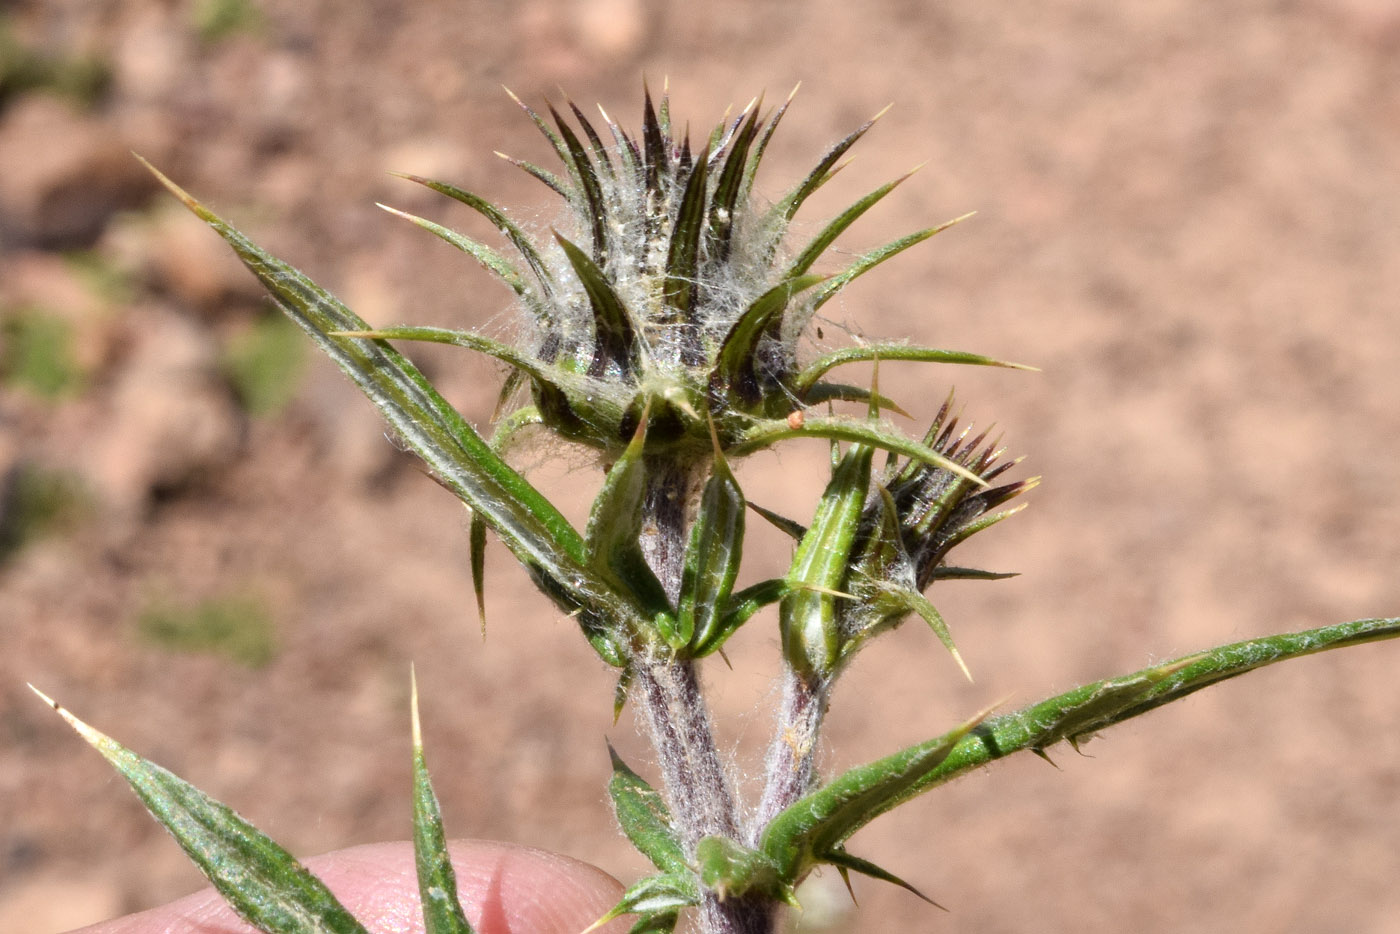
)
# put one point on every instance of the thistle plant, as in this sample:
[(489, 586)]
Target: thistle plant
[(665, 325)]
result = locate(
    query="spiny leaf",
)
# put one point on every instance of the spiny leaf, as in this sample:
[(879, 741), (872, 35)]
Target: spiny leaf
[(731, 177), (841, 392), (476, 534), (947, 572), (990, 519), (836, 227), (911, 601), (601, 160), (654, 143), (875, 257), (555, 382), (712, 556), (845, 861), (732, 870), (737, 611), (261, 881), (551, 181), (642, 814), (543, 128), (765, 433), (654, 895), (761, 145), (502, 223), (789, 204), (534, 530), (468, 339), (437, 881), (884, 351), (628, 152), (819, 822), (614, 330), (1086, 710), (734, 364), (614, 534), (483, 254), (501, 439), (684, 257), (810, 639), (790, 527), (593, 208)]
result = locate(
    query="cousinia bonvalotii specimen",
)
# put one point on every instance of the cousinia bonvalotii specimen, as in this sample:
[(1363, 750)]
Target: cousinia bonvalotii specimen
[(666, 324)]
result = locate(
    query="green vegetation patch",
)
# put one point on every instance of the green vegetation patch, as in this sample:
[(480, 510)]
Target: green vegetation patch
[(36, 353), (264, 365), (215, 20), (37, 501), (80, 78), (237, 626)]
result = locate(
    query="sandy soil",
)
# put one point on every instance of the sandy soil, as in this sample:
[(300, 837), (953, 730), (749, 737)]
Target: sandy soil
[(1189, 217)]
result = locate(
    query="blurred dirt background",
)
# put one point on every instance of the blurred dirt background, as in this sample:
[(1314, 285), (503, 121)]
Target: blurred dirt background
[(1189, 217)]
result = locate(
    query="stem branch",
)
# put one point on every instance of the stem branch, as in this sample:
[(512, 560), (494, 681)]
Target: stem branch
[(669, 698)]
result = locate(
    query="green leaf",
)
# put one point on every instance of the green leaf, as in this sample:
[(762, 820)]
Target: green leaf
[(731, 177), (810, 638), (793, 200), (1077, 714), (875, 257), (600, 155), (564, 156), (437, 881), (947, 572), (809, 830), (654, 141), (789, 527), (739, 609), (594, 210), (471, 341), (261, 881), (683, 259), (535, 531), (807, 379), (911, 601), (846, 862), (732, 870), (837, 226), (734, 364), (766, 433), (483, 254), (761, 145), (585, 396), (614, 330), (501, 439), (644, 818), (614, 535), (660, 895), (551, 181), (841, 392), (497, 217), (712, 556), (661, 922)]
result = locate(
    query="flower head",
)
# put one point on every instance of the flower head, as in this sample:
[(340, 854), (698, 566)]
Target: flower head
[(672, 291)]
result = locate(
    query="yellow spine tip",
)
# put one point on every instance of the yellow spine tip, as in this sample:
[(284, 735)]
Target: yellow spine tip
[(86, 732), (413, 708)]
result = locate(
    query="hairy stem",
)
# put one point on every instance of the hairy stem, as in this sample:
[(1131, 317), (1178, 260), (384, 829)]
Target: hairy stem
[(789, 768), (669, 698)]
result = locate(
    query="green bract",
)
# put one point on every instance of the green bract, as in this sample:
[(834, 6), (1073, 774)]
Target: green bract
[(665, 328)]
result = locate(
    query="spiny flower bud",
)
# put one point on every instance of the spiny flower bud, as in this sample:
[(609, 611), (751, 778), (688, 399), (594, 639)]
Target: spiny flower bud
[(876, 543), (671, 291)]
